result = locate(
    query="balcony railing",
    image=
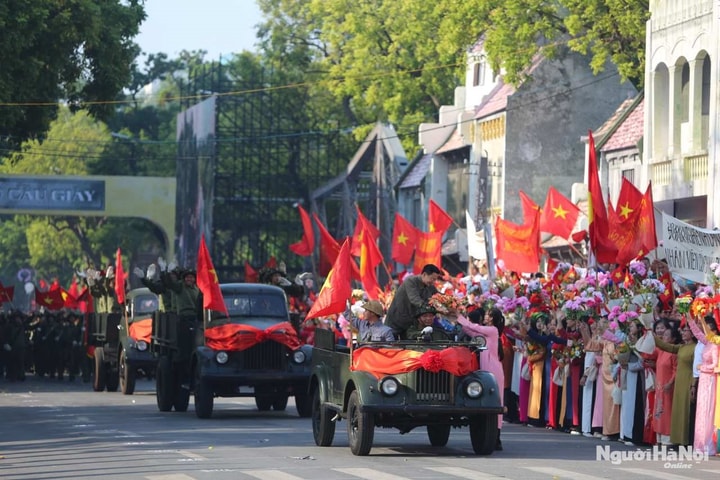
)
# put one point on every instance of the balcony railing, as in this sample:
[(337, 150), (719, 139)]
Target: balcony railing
[(661, 173), (695, 167)]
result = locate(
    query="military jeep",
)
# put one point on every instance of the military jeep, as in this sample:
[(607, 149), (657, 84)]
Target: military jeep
[(402, 385), (255, 352), (134, 356)]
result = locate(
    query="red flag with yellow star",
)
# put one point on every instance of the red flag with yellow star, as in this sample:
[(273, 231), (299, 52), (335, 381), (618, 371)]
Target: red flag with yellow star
[(207, 281), (363, 224), (404, 239), (668, 296), (598, 227), (337, 289), (623, 221), (559, 214), (51, 300), (438, 219), (529, 207)]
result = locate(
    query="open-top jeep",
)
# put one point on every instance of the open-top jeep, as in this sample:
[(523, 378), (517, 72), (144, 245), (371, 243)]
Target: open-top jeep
[(134, 337), (403, 385), (255, 352)]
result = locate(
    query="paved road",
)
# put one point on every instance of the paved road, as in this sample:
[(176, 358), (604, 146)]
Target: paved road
[(56, 430)]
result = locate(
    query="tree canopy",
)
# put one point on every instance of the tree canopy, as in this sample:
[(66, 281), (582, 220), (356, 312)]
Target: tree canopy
[(399, 60), (79, 52)]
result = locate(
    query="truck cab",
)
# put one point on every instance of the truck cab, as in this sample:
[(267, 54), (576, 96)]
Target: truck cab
[(253, 352)]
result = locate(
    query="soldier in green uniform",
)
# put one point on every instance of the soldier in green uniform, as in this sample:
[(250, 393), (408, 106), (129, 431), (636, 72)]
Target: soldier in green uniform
[(423, 328)]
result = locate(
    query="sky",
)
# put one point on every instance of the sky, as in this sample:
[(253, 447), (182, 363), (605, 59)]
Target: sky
[(221, 27)]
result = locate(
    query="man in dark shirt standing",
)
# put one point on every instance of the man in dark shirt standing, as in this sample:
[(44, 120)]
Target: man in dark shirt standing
[(412, 294)]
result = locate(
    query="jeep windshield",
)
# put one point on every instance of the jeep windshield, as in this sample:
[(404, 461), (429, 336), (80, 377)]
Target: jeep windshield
[(258, 309)]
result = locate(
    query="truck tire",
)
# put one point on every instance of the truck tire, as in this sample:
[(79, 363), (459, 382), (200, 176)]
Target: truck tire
[(361, 427), (112, 376), (483, 433), (280, 403), (127, 375), (263, 402), (303, 404), (182, 398), (203, 397), (164, 383), (323, 426), (438, 435), (100, 378)]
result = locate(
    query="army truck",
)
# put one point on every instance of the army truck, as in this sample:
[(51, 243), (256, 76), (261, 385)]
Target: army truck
[(403, 385), (253, 352), (135, 357)]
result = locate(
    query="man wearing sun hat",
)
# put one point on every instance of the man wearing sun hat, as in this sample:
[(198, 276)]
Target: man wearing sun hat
[(370, 328)]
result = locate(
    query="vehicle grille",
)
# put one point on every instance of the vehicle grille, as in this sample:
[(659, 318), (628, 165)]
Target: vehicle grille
[(434, 387), (264, 356)]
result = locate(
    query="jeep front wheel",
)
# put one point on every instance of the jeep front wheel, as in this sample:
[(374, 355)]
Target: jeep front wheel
[(483, 433), (438, 435), (361, 427), (323, 426)]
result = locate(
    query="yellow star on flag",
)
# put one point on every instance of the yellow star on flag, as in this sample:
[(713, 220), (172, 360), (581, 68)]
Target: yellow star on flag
[(402, 238), (559, 212), (213, 273), (431, 227), (625, 210)]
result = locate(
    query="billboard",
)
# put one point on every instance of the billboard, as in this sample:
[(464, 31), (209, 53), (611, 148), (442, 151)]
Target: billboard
[(195, 179)]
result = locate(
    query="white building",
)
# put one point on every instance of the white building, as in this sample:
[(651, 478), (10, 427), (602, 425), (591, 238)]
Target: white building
[(682, 114)]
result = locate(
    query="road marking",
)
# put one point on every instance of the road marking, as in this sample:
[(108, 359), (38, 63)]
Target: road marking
[(464, 473), (559, 473), (654, 474), (174, 476), (194, 456), (270, 475), (369, 474)]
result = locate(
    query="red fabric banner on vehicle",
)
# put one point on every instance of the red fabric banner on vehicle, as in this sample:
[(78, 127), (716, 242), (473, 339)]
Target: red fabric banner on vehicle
[(459, 361), (140, 330), (236, 337)]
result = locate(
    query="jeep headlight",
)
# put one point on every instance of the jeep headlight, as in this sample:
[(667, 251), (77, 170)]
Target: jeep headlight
[(298, 356), (141, 345), (473, 389), (480, 341), (389, 386), (221, 357)]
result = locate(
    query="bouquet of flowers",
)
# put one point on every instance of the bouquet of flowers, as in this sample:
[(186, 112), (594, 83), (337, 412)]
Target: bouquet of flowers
[(683, 302), (447, 304), (576, 351), (715, 276), (516, 307), (620, 320), (647, 292)]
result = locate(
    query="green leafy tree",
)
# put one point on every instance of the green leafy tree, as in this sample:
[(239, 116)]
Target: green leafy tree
[(400, 60), (78, 51)]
